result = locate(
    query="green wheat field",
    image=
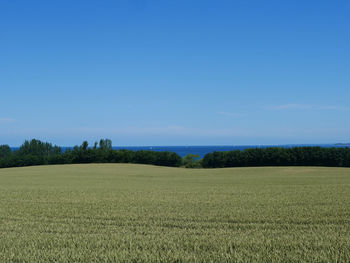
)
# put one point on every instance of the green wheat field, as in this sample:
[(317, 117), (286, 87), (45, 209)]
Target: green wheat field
[(140, 213)]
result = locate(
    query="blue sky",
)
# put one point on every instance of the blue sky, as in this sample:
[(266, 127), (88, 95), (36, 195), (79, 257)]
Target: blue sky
[(175, 72)]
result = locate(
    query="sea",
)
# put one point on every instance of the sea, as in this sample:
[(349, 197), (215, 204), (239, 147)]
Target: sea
[(203, 150)]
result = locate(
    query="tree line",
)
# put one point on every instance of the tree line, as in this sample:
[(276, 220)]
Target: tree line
[(35, 152), (276, 156)]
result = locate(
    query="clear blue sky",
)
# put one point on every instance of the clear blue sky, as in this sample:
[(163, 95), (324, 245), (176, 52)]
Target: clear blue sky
[(175, 72)]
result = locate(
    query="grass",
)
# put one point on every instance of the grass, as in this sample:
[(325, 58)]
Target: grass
[(139, 213)]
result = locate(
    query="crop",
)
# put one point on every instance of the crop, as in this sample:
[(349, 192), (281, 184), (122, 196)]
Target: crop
[(141, 213)]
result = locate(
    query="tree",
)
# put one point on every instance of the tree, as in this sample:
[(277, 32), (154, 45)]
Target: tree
[(84, 145), (105, 144), (37, 147), (5, 151), (191, 161), (95, 145)]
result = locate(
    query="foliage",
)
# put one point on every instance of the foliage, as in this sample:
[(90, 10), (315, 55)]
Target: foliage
[(275, 156), (38, 148), (105, 144), (5, 151), (35, 152), (192, 161)]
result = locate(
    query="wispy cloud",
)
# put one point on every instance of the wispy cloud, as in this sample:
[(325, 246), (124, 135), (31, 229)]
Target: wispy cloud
[(229, 114), (295, 106), (6, 120)]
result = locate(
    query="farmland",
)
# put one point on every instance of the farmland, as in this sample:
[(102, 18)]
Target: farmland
[(144, 213)]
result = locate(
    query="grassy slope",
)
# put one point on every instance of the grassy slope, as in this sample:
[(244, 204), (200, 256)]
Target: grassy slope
[(124, 212)]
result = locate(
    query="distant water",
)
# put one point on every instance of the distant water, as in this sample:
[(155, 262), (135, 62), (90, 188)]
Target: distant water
[(203, 150)]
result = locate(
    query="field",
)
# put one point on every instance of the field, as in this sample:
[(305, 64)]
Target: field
[(139, 213)]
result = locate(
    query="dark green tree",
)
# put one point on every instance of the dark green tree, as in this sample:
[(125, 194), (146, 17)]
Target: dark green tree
[(5, 151), (191, 161)]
